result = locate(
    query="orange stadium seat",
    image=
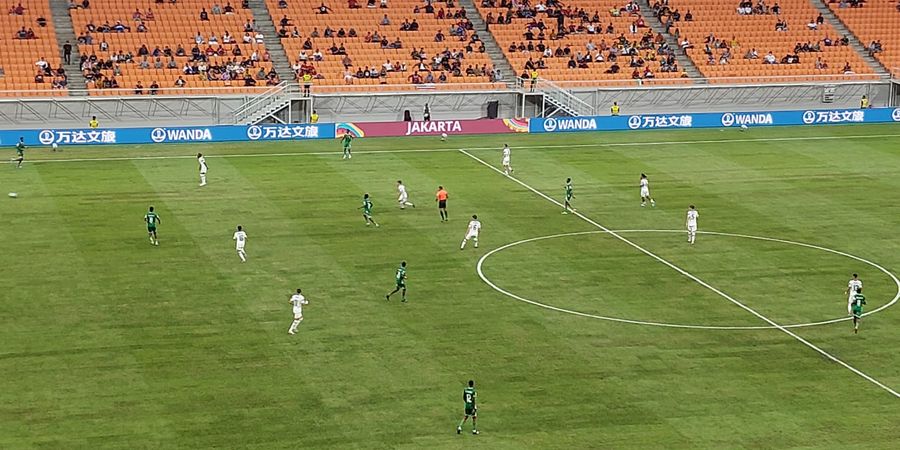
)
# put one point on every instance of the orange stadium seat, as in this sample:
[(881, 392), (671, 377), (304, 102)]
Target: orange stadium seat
[(171, 25), (874, 21), (331, 72), (557, 68), (18, 56), (719, 20)]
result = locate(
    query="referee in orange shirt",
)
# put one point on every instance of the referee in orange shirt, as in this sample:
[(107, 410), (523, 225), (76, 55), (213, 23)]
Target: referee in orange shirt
[(441, 199)]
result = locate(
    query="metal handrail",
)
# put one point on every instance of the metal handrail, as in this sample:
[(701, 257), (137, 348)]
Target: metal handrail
[(253, 104)]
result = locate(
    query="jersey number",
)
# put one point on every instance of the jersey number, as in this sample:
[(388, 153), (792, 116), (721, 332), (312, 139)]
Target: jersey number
[(468, 398)]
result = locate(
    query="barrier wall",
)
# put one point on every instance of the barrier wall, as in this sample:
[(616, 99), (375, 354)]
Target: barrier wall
[(275, 132), (168, 134), (713, 120)]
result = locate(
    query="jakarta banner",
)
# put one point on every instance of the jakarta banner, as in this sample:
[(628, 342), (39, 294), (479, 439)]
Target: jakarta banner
[(431, 128), (713, 120), (219, 133)]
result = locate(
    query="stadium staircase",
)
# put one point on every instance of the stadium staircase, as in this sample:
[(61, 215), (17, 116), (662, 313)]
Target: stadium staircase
[(276, 51), (683, 61), (855, 43), (490, 44), (65, 31), (562, 101)]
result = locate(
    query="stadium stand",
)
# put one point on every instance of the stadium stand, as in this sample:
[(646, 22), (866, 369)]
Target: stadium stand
[(790, 39), (405, 43), (592, 40), (875, 23), (29, 55), (174, 46)]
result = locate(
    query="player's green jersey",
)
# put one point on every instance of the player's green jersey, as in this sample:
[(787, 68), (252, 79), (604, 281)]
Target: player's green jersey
[(152, 219), (570, 191), (345, 141), (857, 305), (367, 207), (20, 149), (401, 275), (469, 398)]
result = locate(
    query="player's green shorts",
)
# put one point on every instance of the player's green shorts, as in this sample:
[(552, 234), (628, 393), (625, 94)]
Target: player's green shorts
[(857, 312), (401, 284), (151, 228), (471, 410)]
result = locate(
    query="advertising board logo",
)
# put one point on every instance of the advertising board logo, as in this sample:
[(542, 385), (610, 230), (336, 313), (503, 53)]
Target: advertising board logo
[(727, 119), (46, 137), (634, 122), (895, 115), (254, 133), (550, 125), (809, 117), (158, 135)]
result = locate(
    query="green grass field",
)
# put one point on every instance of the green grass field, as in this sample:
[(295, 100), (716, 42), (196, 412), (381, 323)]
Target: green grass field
[(109, 342)]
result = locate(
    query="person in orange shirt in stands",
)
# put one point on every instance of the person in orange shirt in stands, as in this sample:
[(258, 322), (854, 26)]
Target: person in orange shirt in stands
[(441, 199)]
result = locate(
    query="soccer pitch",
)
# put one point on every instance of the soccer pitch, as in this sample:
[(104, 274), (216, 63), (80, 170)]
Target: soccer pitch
[(601, 329)]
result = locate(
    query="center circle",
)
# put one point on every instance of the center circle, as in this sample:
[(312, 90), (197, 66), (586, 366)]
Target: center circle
[(479, 269)]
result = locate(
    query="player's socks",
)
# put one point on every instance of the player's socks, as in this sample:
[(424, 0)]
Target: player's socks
[(463, 245), (458, 429), (643, 204), (476, 243), (652, 202)]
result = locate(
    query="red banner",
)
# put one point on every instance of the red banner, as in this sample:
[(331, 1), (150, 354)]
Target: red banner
[(431, 128)]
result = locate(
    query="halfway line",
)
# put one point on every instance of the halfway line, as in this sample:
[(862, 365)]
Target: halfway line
[(692, 277)]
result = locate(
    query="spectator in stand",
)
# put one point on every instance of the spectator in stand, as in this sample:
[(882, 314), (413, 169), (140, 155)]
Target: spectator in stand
[(770, 59), (776, 9), (688, 16), (322, 9), (751, 54), (821, 64), (204, 16), (384, 4), (180, 82), (353, 4), (847, 69), (385, 20)]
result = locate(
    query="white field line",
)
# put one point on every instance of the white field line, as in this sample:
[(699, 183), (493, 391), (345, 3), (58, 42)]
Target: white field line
[(455, 149), (479, 267), (694, 278)]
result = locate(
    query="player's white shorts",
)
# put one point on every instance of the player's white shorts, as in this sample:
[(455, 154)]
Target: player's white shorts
[(645, 192), (239, 247), (403, 198), (505, 161), (203, 171), (472, 235), (692, 228), (298, 314)]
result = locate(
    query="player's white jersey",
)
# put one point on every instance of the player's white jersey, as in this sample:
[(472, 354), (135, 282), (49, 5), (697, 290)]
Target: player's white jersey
[(298, 301), (506, 153), (645, 187), (853, 287), (474, 228), (692, 216), (202, 161), (401, 189), (240, 239)]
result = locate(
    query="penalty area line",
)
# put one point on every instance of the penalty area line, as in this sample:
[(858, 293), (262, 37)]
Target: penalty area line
[(691, 277)]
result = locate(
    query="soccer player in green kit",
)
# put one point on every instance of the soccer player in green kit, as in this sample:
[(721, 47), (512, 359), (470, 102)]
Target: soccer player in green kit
[(367, 211), (471, 410), (20, 152), (856, 306), (345, 143), (570, 194), (400, 278), (152, 220)]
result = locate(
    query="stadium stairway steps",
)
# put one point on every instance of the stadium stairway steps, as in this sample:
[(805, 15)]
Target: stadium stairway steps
[(657, 27), (507, 73), (278, 55), (65, 31), (855, 43)]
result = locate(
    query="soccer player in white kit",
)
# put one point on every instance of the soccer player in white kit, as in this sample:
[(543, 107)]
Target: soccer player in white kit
[(240, 239), (645, 192), (472, 232), (853, 286), (297, 301), (403, 197), (507, 168), (203, 168), (691, 223)]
